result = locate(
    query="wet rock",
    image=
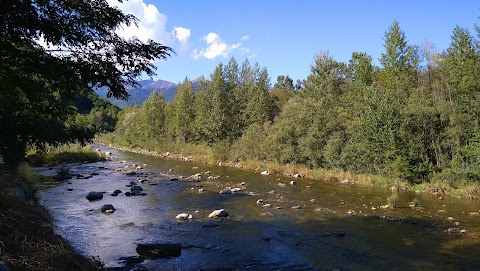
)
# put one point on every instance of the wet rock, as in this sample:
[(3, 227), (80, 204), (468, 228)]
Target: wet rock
[(218, 214), (265, 173), (132, 260), (117, 191), (173, 179), (91, 196), (70, 189), (137, 193), (225, 191), (267, 239), (107, 208), (142, 180), (281, 184), (114, 194), (268, 205), (136, 188), (236, 190), (463, 231), (259, 201), (159, 250), (184, 216), (297, 175)]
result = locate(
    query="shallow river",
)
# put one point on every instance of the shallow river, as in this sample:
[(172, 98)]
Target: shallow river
[(333, 226)]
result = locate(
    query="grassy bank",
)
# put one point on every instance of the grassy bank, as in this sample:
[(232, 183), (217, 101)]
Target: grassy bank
[(219, 155), (64, 153), (27, 238)]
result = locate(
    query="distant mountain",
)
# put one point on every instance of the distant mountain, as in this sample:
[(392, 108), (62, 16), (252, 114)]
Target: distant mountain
[(139, 95)]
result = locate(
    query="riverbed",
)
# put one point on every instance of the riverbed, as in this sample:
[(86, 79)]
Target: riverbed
[(274, 222)]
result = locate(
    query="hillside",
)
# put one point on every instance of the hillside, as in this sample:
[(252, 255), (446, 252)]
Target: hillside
[(139, 95)]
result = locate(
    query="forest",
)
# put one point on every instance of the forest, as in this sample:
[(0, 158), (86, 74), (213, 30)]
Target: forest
[(415, 117)]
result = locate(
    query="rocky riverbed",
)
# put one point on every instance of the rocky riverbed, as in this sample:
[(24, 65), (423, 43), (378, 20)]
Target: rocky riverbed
[(201, 217)]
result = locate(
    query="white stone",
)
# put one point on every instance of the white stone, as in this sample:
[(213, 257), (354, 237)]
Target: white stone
[(184, 216), (218, 213)]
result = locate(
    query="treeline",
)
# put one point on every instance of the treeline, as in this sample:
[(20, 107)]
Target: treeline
[(416, 117)]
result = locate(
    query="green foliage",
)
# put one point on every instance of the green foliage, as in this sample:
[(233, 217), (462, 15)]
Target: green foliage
[(392, 201), (401, 120), (38, 85), (63, 153)]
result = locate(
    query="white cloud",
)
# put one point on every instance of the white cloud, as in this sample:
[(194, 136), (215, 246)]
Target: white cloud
[(182, 34), (244, 38), (217, 47), (152, 23)]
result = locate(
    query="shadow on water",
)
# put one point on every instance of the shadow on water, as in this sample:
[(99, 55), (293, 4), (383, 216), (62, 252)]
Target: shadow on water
[(331, 227)]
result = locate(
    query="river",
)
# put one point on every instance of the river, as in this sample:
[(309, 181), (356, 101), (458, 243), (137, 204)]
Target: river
[(332, 226)]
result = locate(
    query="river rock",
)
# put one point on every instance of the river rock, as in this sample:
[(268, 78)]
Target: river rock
[(293, 183), (159, 250), (218, 213), (225, 191), (91, 196), (265, 172), (184, 216), (236, 190), (107, 208), (259, 201), (297, 175), (136, 188), (117, 191)]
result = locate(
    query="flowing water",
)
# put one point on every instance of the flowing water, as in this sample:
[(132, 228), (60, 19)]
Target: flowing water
[(332, 226)]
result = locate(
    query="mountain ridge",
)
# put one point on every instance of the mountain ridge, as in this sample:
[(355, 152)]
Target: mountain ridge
[(139, 95)]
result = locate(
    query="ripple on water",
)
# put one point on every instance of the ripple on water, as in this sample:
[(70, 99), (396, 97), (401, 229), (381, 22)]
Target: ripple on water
[(285, 239)]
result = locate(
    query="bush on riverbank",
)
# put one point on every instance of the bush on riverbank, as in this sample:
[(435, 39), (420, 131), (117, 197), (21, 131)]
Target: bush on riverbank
[(203, 153), (63, 153)]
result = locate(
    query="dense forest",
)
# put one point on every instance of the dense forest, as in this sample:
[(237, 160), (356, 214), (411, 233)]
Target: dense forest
[(416, 117)]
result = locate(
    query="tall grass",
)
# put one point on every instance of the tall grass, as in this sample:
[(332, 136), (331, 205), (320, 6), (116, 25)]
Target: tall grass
[(62, 153)]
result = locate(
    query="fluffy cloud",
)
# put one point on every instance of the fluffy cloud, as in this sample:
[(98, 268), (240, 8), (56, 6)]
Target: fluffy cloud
[(152, 23), (182, 34), (216, 47)]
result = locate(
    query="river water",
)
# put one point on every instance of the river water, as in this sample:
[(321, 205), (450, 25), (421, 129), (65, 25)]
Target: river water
[(332, 226)]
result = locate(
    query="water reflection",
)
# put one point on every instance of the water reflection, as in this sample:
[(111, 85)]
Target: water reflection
[(331, 227)]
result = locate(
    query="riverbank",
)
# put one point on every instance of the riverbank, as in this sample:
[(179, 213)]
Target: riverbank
[(209, 155), (27, 237)]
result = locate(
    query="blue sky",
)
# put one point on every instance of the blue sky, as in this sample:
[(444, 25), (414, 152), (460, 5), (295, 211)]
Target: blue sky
[(285, 35)]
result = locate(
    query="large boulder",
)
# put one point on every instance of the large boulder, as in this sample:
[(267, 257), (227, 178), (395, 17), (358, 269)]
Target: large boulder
[(218, 214), (158, 250), (91, 196)]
